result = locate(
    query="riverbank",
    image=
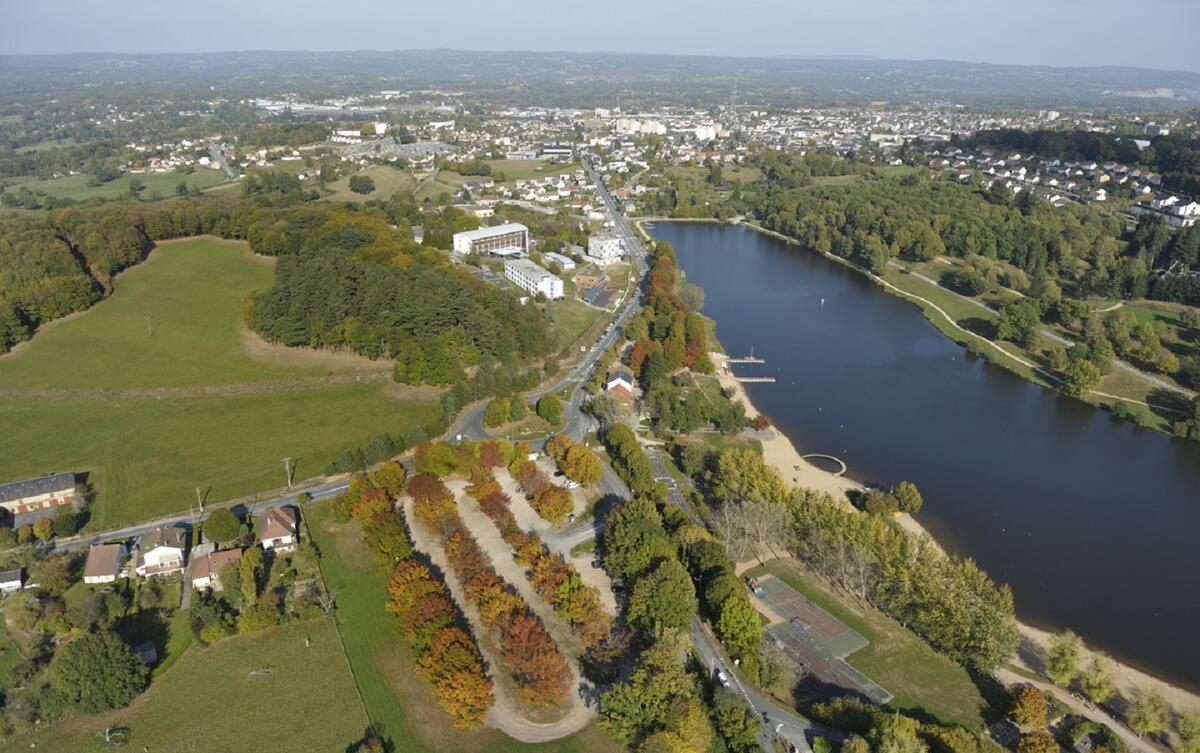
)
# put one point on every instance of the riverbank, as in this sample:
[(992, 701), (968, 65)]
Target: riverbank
[(781, 454), (1150, 416)]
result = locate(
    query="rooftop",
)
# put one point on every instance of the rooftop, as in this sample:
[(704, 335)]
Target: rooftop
[(55, 482), (488, 232)]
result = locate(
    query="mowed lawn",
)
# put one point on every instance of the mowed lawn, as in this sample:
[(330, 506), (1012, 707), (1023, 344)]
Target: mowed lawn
[(398, 703), (209, 701), (923, 681), (388, 180), (152, 417)]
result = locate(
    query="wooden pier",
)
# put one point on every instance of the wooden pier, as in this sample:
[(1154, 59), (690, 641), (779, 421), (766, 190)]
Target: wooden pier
[(765, 380)]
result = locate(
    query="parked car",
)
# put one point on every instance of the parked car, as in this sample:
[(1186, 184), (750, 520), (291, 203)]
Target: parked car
[(723, 678)]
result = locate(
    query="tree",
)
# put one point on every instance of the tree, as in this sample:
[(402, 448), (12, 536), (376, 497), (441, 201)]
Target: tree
[(879, 502), (97, 672), (1019, 322), (897, 734), (362, 184), (1062, 658), (43, 528), (907, 497), (736, 722), (582, 466), (550, 408), (1080, 378), (248, 573), (663, 597), (1039, 741), (496, 412), (738, 627), (221, 526), (1098, 681), (1188, 727), (1149, 712), (516, 408), (1028, 708)]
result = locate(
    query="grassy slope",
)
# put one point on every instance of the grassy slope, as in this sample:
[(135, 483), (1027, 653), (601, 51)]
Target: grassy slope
[(149, 451), (572, 318), (307, 702), (398, 702), (921, 679), (76, 186)]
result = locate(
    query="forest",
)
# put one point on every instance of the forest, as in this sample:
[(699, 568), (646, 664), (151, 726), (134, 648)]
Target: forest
[(346, 277)]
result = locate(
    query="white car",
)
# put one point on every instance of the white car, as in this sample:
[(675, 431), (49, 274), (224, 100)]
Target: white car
[(572, 484), (723, 678)]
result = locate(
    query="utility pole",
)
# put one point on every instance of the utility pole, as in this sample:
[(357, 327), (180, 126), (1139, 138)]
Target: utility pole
[(287, 467), (200, 500)]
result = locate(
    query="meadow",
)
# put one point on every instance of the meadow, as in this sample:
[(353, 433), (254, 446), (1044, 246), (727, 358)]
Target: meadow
[(157, 185), (306, 701), (159, 390)]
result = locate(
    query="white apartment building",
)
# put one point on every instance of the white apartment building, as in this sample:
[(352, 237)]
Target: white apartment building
[(533, 279), (509, 239), (605, 249)]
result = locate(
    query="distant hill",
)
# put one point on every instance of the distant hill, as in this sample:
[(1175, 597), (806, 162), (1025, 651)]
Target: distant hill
[(590, 79)]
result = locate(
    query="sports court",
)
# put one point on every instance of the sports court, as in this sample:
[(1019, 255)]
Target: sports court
[(818, 642)]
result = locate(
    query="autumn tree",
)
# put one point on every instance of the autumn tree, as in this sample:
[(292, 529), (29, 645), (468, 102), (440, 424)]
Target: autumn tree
[(581, 465), (553, 503), (542, 675), (739, 627), (1028, 708), (1038, 741), (496, 412), (1098, 681), (1148, 713), (43, 528)]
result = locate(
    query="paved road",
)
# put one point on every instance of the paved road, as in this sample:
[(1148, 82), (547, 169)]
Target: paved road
[(214, 152)]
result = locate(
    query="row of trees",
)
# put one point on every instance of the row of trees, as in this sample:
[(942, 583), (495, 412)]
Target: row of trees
[(550, 500), (554, 578), (446, 657), (873, 730), (575, 460), (541, 674), (630, 462)]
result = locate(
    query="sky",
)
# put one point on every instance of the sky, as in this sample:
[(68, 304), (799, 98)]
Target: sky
[(1143, 33)]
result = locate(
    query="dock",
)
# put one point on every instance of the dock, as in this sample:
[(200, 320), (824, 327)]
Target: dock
[(745, 359), (765, 380)]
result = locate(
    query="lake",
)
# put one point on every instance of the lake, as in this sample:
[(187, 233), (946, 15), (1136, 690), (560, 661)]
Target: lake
[(1094, 522)]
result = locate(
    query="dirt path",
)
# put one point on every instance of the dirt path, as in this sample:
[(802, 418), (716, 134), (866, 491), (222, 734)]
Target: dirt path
[(508, 715)]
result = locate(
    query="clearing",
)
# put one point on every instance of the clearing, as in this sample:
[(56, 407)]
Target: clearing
[(398, 703), (313, 703), (388, 180), (157, 185), (99, 392)]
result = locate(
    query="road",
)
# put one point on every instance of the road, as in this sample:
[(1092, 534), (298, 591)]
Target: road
[(217, 156)]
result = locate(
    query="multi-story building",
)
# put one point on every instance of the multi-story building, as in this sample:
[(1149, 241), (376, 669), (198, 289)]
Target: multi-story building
[(510, 239), (605, 249), (533, 279), (39, 494)]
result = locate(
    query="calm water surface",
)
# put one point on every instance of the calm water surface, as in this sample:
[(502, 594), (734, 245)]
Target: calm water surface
[(1094, 522)]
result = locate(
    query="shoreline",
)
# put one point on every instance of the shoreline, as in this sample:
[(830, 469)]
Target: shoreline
[(781, 454)]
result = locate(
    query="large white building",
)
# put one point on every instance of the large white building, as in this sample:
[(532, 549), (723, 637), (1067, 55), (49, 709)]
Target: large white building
[(533, 279), (510, 239), (605, 249)]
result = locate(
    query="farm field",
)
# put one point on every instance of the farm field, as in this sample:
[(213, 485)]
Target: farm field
[(398, 703), (132, 408), (158, 185), (313, 702)]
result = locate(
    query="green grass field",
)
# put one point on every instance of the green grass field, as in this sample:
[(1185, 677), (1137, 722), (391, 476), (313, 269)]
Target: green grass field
[(398, 703), (922, 680), (388, 180), (158, 185), (210, 702), (572, 318), (153, 417)]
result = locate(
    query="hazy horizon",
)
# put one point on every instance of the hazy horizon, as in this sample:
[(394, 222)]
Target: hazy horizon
[(1059, 33)]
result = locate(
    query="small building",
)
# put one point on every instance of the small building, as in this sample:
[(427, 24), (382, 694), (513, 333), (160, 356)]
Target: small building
[(533, 279), (565, 263), (40, 496), (605, 249), (620, 384), (206, 568), (589, 279), (557, 150), (11, 580), (278, 527), (103, 563), (509, 239), (161, 552)]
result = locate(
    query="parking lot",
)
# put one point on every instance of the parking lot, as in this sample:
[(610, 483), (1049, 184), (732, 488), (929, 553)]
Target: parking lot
[(817, 643)]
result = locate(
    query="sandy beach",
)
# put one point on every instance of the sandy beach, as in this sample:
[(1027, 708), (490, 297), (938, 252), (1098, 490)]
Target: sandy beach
[(779, 453)]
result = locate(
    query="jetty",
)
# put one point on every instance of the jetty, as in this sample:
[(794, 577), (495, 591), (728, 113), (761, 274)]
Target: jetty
[(767, 380)]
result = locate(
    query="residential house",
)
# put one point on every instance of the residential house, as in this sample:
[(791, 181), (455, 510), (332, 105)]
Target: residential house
[(206, 568), (161, 552), (103, 563), (620, 384), (278, 527), (39, 497)]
